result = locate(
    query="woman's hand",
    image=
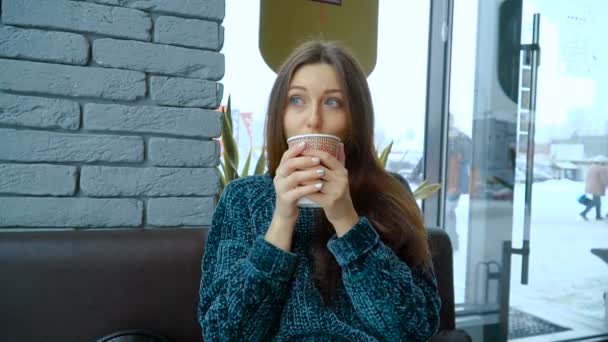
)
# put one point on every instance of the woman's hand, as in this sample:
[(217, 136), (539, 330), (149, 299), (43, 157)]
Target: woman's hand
[(334, 196), (297, 176)]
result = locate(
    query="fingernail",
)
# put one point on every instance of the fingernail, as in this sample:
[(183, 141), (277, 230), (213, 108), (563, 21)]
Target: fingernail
[(316, 160), (303, 143), (320, 172), (319, 186)]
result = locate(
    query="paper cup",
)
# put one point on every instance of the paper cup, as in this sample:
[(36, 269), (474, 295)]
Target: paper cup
[(321, 142)]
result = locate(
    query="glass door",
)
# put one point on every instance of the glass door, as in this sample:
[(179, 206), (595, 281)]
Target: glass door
[(527, 124)]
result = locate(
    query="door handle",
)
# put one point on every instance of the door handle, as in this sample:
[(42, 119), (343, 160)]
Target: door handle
[(532, 55)]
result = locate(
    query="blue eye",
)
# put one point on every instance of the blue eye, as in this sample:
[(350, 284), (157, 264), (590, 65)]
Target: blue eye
[(296, 100), (333, 102)]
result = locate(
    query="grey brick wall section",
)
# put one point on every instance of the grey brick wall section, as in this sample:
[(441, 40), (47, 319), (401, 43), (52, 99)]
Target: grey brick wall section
[(108, 112), (60, 47), (187, 32), (38, 146), (74, 81), (204, 9), (185, 92), (39, 112), (70, 212), (78, 16), (192, 122), (158, 58), (177, 211), (105, 181), (183, 152), (40, 179)]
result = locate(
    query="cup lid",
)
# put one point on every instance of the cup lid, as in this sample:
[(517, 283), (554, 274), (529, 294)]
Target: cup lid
[(313, 135)]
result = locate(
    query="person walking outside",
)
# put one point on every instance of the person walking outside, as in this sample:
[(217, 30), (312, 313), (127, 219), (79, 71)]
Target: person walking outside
[(595, 185)]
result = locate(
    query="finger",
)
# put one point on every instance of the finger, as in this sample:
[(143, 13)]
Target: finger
[(303, 191), (298, 178), (298, 163), (341, 155), (305, 177), (330, 175), (326, 159), (328, 193), (332, 183), (294, 151)]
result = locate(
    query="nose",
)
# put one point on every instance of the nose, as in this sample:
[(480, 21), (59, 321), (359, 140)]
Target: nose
[(314, 119)]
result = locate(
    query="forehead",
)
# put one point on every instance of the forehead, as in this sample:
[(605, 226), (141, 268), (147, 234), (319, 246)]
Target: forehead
[(318, 74)]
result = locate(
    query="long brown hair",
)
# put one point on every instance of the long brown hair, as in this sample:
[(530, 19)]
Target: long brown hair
[(374, 192)]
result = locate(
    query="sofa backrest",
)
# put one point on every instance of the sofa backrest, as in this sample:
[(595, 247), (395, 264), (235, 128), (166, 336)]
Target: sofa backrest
[(441, 252), (82, 285)]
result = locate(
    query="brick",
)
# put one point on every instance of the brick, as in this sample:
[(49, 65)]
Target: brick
[(221, 38), (39, 179), (39, 112), (185, 92), (193, 122), (105, 181), (60, 47), (220, 93), (70, 212), (187, 32), (204, 9), (158, 58), (182, 152), (180, 211), (75, 81), (38, 146), (78, 16)]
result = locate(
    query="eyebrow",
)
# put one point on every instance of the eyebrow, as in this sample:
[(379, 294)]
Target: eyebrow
[(328, 91)]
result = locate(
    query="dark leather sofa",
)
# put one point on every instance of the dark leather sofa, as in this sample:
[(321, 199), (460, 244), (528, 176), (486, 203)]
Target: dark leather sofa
[(82, 285)]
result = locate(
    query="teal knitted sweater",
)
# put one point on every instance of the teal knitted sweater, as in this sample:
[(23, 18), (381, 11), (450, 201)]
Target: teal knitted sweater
[(252, 290)]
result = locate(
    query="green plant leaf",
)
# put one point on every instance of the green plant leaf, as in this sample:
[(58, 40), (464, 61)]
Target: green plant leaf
[(222, 178), (229, 172), (233, 170), (225, 132), (423, 184), (228, 111), (245, 171), (231, 153), (425, 190), (384, 155), (260, 166), (223, 169)]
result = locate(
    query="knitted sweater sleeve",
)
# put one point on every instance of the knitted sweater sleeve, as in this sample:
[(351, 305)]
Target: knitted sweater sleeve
[(395, 302), (245, 279)]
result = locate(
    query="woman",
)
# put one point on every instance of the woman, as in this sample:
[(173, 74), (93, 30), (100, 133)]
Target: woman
[(357, 269)]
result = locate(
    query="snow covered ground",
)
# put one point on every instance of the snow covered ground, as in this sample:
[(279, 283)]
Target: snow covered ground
[(563, 274)]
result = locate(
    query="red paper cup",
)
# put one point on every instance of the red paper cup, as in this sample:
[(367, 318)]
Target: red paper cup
[(321, 142)]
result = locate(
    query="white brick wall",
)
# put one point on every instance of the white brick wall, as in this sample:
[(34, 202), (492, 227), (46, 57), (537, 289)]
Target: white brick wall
[(107, 112)]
